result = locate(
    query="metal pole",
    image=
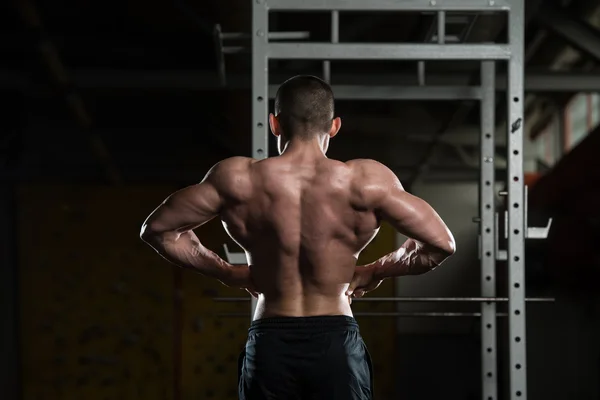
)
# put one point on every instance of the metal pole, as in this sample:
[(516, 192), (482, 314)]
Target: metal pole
[(516, 224), (391, 5), (271, 35), (396, 314), (441, 27), (417, 299), (487, 230), (335, 32), (260, 83)]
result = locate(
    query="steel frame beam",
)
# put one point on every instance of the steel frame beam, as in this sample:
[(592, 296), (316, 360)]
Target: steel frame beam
[(369, 51), (487, 231), (357, 92), (260, 87), (345, 86), (516, 222), (513, 53), (387, 5)]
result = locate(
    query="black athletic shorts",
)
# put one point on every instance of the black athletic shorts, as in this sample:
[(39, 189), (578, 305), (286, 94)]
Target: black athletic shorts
[(294, 358)]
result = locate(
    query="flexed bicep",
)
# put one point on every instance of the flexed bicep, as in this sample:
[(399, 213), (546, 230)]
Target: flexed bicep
[(416, 219), (430, 241), (169, 229), (185, 210), (408, 214)]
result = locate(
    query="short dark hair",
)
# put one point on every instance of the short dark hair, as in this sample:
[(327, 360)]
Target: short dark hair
[(304, 106)]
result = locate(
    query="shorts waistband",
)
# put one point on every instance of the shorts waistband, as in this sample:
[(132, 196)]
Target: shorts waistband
[(316, 323)]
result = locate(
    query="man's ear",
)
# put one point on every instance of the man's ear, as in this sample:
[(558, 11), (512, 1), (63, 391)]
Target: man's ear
[(274, 125), (335, 127)]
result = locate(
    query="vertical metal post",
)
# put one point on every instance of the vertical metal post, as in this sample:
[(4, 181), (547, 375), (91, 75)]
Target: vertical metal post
[(487, 230), (441, 38), (421, 73), (516, 224), (260, 84), (335, 38), (441, 27)]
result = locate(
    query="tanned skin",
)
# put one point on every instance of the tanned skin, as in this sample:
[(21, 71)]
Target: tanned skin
[(302, 220)]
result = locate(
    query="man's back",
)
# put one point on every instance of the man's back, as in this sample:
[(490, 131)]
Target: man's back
[(302, 220)]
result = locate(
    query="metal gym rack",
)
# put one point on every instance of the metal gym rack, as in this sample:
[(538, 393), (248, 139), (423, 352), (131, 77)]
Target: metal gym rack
[(516, 230)]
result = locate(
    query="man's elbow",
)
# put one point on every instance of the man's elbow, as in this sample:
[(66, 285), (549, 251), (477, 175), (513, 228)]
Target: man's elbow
[(450, 247), (446, 249), (155, 234), (149, 234)]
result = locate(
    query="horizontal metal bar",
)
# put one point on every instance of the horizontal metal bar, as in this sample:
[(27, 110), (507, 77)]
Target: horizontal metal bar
[(372, 51), (357, 92), (452, 299), (423, 314), (272, 35), (235, 49), (546, 81), (389, 5), (392, 314), (417, 299), (350, 92)]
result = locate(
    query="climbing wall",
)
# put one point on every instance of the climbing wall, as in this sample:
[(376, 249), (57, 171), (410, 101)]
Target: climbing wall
[(212, 341), (103, 317), (96, 303)]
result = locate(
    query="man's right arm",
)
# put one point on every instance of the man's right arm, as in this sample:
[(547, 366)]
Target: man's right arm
[(430, 241)]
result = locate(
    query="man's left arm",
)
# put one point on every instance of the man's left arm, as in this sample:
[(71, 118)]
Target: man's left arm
[(169, 230)]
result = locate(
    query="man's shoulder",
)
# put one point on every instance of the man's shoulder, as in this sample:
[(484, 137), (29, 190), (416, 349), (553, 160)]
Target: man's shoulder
[(229, 172), (365, 167), (372, 180), (229, 166), (236, 162)]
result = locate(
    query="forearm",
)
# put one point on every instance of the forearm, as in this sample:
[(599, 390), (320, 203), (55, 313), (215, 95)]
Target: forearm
[(413, 258), (186, 251)]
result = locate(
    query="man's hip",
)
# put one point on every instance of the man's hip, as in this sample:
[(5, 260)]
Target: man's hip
[(321, 357)]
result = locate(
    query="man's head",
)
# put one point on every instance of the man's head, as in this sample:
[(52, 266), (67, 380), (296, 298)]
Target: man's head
[(304, 110)]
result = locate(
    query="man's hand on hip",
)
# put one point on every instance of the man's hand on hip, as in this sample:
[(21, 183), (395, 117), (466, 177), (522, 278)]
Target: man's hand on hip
[(363, 281), (238, 276)]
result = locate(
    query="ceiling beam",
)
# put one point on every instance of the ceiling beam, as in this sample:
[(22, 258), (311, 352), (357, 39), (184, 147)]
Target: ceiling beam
[(577, 32), (188, 80), (74, 100)]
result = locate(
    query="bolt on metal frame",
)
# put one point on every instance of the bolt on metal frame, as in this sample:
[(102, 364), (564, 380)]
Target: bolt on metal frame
[(512, 52)]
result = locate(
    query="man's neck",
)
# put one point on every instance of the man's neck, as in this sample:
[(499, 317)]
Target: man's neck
[(304, 148)]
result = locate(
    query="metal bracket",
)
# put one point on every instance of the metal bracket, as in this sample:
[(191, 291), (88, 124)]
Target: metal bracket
[(530, 232), (234, 258), (534, 232), (539, 232)]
